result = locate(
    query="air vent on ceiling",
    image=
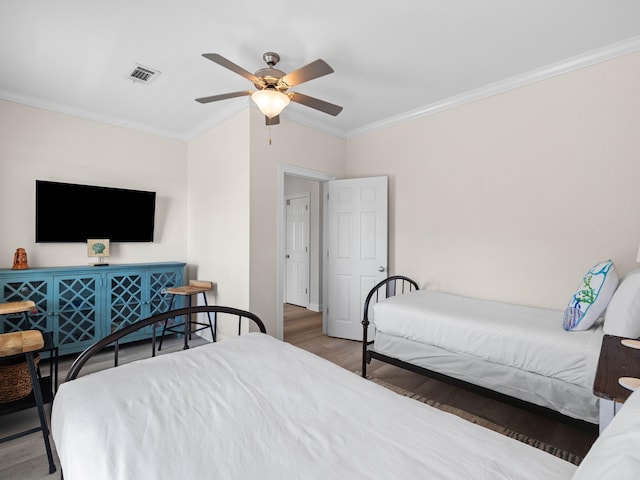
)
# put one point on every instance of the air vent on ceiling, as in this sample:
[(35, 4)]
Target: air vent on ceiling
[(143, 74)]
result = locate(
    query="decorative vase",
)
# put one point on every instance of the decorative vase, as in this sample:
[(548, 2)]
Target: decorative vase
[(20, 260)]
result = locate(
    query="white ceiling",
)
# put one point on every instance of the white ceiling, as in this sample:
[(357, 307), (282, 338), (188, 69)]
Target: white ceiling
[(392, 60)]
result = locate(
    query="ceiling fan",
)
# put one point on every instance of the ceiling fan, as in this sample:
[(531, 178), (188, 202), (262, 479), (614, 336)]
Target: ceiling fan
[(272, 84)]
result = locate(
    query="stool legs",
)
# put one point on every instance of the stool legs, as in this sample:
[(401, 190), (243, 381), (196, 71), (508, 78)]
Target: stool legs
[(211, 324), (187, 323), (37, 393), (164, 326)]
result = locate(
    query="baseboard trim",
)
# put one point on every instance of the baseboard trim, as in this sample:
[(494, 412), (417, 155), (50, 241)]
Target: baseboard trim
[(315, 307)]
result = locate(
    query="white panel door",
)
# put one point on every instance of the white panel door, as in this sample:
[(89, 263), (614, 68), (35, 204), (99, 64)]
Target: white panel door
[(357, 250), (297, 251)]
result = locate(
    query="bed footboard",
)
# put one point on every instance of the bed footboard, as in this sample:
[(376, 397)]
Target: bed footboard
[(389, 287), (153, 321)]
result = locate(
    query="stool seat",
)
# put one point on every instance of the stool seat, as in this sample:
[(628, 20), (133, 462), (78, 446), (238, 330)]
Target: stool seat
[(15, 343), (17, 307), (187, 290)]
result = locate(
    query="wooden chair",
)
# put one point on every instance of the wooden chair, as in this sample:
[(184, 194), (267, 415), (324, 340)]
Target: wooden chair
[(23, 344), (25, 307), (189, 326)]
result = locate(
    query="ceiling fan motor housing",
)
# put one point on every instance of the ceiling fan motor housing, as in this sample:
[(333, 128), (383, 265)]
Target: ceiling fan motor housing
[(271, 78)]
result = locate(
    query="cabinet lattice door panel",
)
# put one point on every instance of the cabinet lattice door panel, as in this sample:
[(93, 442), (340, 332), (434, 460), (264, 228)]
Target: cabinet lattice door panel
[(159, 301), (125, 300), (22, 289), (77, 310)]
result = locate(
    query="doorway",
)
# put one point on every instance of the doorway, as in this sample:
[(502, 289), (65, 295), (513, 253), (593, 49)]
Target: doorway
[(293, 178)]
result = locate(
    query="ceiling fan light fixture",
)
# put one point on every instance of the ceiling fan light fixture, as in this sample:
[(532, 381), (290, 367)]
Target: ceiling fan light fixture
[(270, 101)]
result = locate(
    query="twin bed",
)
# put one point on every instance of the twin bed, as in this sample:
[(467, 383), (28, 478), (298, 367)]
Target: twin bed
[(256, 407), (517, 351)]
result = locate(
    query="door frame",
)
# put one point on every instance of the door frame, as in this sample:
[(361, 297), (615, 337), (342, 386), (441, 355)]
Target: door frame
[(286, 169)]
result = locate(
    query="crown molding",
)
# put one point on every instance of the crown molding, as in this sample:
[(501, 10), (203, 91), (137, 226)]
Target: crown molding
[(316, 125), (219, 117), (587, 59), (86, 114)]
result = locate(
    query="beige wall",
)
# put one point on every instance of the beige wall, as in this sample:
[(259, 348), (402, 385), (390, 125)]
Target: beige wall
[(44, 145), (510, 198), (218, 210), (291, 144), (218, 214), (515, 196)]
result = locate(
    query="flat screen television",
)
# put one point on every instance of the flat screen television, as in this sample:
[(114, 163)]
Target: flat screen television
[(66, 212)]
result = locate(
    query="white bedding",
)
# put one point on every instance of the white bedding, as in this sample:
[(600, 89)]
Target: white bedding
[(254, 407), (526, 338)]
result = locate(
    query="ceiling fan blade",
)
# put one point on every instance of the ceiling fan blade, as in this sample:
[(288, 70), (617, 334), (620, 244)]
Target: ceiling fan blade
[(313, 70), (224, 96), (220, 60), (321, 105), (272, 121)]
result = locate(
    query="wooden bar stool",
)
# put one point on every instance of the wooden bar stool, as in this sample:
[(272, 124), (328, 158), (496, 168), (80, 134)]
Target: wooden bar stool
[(189, 326), (23, 344), (24, 307)]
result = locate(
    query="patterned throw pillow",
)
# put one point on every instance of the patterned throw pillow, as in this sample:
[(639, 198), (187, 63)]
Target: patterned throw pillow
[(591, 299)]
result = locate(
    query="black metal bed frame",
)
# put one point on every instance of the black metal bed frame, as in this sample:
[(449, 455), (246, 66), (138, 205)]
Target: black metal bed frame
[(399, 284), (154, 321), (389, 287)]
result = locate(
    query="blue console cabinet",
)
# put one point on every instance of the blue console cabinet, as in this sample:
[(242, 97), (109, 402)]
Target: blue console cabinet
[(83, 304)]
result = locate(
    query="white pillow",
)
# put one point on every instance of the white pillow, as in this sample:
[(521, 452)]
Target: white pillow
[(623, 313), (592, 297)]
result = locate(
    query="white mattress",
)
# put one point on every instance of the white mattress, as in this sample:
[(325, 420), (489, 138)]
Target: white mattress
[(255, 407), (524, 338)]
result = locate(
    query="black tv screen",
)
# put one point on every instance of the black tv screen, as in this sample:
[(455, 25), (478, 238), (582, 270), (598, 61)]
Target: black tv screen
[(67, 212)]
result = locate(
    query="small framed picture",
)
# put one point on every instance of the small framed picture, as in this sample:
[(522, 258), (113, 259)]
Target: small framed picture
[(98, 247)]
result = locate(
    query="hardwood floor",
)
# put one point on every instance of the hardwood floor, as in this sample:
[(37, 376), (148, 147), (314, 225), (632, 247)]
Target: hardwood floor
[(24, 458), (303, 328)]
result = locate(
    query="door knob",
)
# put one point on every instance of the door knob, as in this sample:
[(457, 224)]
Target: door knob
[(286, 256), (381, 269)]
